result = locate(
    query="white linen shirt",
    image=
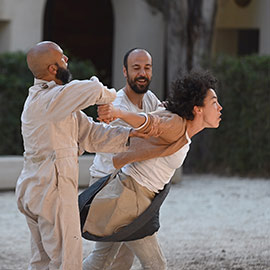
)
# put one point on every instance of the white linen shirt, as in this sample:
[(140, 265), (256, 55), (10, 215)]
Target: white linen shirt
[(154, 173), (102, 164)]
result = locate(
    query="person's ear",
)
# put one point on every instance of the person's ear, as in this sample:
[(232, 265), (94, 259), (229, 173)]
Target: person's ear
[(52, 69), (125, 71), (197, 110)]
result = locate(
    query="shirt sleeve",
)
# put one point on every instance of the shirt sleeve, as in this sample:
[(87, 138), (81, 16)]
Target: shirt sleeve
[(155, 102), (99, 137), (75, 96)]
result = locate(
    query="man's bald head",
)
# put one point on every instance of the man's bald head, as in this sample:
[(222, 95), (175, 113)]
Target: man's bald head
[(135, 51), (41, 56)]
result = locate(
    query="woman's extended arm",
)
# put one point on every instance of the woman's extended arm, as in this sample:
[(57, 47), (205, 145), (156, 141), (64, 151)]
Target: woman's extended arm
[(108, 113), (139, 121)]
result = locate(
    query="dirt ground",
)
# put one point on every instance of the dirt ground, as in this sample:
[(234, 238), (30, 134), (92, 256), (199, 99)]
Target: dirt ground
[(207, 223)]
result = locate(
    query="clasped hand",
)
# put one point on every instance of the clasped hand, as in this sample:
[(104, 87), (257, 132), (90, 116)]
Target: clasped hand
[(108, 113)]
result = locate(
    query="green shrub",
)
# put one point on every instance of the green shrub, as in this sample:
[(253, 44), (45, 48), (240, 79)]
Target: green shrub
[(82, 70), (15, 79), (241, 145)]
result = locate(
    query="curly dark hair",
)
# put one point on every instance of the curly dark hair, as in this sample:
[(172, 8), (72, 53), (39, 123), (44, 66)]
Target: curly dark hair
[(189, 91)]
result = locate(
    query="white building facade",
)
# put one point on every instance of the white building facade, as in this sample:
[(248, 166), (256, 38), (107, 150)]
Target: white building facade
[(136, 25)]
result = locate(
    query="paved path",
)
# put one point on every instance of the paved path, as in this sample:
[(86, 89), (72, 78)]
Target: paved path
[(207, 223)]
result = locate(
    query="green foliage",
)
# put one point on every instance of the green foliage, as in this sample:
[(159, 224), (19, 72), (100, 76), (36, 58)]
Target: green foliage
[(82, 70), (241, 145), (15, 80)]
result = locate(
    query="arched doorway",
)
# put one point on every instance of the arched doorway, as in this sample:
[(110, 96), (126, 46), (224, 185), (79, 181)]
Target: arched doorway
[(84, 29)]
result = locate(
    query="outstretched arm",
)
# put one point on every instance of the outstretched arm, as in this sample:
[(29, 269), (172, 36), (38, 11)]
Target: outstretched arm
[(98, 137), (108, 113), (74, 96)]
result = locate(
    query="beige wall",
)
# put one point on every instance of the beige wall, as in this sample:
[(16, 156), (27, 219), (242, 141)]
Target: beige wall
[(137, 26), (11, 166), (21, 23), (231, 17), (264, 18)]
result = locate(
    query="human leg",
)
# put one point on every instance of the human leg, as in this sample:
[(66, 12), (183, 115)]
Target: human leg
[(62, 244), (55, 246), (62, 238), (133, 200), (148, 252), (39, 258), (124, 257), (102, 256)]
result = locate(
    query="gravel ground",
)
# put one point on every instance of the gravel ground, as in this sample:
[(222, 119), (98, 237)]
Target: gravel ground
[(207, 223)]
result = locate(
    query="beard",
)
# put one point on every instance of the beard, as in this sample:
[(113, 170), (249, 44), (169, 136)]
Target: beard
[(63, 75), (138, 89)]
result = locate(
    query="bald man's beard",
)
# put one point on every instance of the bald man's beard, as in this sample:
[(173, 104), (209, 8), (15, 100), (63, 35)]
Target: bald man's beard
[(139, 89), (63, 75)]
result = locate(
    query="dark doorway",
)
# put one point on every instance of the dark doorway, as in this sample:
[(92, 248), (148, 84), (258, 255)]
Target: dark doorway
[(84, 30), (248, 41)]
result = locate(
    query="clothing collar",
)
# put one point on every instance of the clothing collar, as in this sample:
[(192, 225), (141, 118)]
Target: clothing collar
[(189, 140), (45, 84)]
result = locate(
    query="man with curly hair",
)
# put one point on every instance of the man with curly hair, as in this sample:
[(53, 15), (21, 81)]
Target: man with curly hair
[(147, 168)]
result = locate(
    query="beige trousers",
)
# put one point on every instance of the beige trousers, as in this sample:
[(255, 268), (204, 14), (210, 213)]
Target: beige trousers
[(106, 255), (123, 257), (120, 202), (146, 249), (57, 246)]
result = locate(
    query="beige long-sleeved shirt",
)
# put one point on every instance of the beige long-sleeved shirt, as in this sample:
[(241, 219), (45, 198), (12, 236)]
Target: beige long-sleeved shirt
[(53, 129)]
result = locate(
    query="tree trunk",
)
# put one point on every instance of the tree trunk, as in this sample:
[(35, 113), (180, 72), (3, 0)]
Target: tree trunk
[(189, 38), (190, 25), (202, 22), (177, 37)]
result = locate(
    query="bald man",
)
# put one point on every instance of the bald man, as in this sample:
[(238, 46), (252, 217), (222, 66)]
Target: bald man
[(54, 131)]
